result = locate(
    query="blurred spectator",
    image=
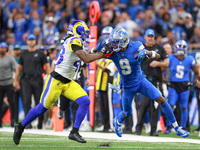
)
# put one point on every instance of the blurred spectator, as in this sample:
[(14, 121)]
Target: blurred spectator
[(31, 61), (64, 30), (34, 21), (35, 7), (196, 12), (150, 20), (162, 21), (58, 13), (133, 8), (137, 36), (24, 38), (24, 6), (127, 23), (38, 35), (52, 52), (83, 16), (17, 53), (178, 29), (194, 42), (181, 11), (140, 17), (19, 24), (11, 39), (7, 66), (65, 18), (189, 26), (105, 21), (50, 32), (173, 11)]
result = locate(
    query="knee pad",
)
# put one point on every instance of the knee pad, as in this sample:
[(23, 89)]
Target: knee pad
[(84, 100)]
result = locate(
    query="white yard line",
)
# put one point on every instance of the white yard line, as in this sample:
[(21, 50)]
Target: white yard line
[(108, 136)]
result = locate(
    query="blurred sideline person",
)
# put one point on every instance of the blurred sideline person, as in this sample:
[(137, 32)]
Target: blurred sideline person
[(18, 93), (153, 71), (7, 67), (180, 64), (61, 81), (31, 61), (127, 57)]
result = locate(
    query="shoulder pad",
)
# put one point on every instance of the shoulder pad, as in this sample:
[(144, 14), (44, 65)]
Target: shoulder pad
[(76, 41)]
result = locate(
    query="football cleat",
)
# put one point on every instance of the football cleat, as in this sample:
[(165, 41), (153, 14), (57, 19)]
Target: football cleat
[(181, 132), (76, 137), (18, 133), (168, 130), (118, 127)]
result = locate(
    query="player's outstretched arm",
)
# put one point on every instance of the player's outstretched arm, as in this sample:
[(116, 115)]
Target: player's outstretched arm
[(87, 58)]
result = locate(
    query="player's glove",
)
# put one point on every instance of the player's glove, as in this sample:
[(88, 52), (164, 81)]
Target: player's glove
[(141, 55), (107, 50), (114, 87)]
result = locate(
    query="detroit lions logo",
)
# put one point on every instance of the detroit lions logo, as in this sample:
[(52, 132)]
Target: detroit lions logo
[(122, 34)]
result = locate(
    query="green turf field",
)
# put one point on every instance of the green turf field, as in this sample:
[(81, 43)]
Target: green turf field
[(44, 142)]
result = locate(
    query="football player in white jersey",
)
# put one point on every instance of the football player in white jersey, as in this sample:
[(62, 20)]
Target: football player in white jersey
[(61, 81)]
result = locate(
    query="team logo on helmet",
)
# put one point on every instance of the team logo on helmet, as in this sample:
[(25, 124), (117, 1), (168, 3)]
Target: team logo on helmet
[(79, 29)]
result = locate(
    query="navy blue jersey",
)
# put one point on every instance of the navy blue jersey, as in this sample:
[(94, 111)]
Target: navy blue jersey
[(128, 67), (180, 69)]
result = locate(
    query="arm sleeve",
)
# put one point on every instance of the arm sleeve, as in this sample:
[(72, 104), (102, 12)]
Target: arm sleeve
[(14, 63), (44, 58), (76, 47)]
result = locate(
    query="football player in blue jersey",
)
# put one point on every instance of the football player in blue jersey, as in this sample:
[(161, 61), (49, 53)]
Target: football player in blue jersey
[(180, 65), (60, 81), (127, 57)]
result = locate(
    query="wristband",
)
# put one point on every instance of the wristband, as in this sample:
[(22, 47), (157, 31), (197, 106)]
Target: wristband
[(92, 50), (153, 54)]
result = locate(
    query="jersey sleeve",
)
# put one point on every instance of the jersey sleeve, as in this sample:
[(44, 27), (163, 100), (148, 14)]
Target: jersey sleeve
[(192, 61), (75, 44), (139, 45), (14, 63), (163, 53), (44, 58)]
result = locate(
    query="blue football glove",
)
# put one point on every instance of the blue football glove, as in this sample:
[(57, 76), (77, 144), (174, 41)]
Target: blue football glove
[(141, 55), (114, 87), (100, 45)]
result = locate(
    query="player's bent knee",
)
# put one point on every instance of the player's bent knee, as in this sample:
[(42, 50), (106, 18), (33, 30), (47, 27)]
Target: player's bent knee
[(84, 100), (160, 100)]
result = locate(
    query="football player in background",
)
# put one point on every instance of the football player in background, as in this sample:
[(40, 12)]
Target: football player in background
[(180, 64), (61, 81)]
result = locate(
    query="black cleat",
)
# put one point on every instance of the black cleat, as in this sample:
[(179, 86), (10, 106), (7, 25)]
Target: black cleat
[(76, 137), (19, 129)]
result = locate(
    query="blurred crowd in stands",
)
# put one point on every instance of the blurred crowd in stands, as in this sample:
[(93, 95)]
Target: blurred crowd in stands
[(48, 19)]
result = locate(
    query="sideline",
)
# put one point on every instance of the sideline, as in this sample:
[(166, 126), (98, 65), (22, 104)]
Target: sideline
[(109, 136)]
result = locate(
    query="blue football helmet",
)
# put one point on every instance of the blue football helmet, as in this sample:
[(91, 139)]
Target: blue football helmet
[(180, 47), (106, 32), (118, 39), (79, 29)]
